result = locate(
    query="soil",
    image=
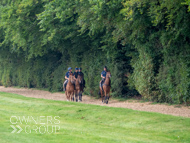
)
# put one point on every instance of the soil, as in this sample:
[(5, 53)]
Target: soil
[(176, 110)]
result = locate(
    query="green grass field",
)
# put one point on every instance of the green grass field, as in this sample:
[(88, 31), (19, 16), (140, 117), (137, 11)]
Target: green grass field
[(77, 122)]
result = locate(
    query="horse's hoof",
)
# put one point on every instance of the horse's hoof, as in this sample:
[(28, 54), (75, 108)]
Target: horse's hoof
[(68, 100)]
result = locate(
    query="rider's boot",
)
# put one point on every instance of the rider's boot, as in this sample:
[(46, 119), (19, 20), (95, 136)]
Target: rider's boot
[(64, 87)]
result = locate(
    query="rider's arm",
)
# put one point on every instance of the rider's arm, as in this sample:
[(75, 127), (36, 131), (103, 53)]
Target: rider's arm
[(66, 78), (75, 76), (102, 76)]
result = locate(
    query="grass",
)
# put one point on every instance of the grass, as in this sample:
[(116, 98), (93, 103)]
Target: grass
[(85, 123)]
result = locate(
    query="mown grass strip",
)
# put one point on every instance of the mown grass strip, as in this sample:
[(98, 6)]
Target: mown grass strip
[(77, 122)]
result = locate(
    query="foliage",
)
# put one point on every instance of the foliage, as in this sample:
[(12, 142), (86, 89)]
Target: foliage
[(144, 43)]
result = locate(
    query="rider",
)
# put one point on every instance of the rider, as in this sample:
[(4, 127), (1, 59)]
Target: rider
[(76, 73), (67, 77), (81, 73), (103, 76)]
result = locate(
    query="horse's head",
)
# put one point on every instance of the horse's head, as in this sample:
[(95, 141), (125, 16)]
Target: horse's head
[(108, 74), (80, 78), (71, 77)]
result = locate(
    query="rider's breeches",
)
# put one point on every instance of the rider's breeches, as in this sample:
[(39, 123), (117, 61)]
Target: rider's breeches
[(102, 81), (65, 83)]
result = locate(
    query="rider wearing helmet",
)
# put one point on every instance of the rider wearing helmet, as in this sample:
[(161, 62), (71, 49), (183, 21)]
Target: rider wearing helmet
[(103, 76), (76, 73), (67, 78)]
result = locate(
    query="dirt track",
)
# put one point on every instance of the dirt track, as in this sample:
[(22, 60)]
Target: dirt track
[(176, 110)]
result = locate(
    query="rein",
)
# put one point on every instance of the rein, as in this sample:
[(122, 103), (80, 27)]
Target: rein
[(105, 81), (105, 84)]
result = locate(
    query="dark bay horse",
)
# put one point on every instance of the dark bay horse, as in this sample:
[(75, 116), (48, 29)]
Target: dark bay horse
[(78, 88), (106, 88), (70, 88)]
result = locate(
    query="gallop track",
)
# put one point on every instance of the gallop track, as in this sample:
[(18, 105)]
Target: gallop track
[(176, 110)]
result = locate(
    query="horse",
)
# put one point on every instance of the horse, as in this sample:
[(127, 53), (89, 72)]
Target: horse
[(106, 88), (78, 88), (70, 88)]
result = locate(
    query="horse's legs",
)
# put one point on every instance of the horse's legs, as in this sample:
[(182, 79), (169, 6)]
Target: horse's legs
[(76, 95), (72, 96), (105, 100), (66, 95), (80, 95), (69, 96), (109, 92), (102, 95), (108, 98)]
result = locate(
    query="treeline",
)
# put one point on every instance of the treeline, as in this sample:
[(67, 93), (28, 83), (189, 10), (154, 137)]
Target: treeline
[(144, 43)]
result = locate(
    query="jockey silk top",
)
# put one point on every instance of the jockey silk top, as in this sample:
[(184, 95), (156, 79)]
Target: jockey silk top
[(103, 73), (67, 74), (76, 74), (80, 73)]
